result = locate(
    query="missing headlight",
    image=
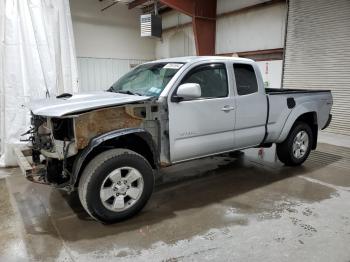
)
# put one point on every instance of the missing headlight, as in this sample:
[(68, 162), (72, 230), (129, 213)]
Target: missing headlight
[(62, 129)]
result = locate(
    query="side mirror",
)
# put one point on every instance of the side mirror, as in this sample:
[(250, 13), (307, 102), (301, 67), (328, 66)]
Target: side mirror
[(189, 91)]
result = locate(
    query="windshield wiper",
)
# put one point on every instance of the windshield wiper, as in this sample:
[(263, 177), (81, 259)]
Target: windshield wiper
[(128, 92)]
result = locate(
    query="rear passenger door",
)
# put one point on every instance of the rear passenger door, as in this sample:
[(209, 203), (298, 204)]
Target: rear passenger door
[(251, 106)]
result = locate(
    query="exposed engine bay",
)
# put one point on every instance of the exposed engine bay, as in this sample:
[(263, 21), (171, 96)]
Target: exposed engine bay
[(51, 140), (55, 142)]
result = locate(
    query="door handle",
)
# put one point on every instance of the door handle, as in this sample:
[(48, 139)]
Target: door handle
[(227, 108)]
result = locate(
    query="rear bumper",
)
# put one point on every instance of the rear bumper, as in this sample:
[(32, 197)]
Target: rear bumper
[(328, 121), (34, 173)]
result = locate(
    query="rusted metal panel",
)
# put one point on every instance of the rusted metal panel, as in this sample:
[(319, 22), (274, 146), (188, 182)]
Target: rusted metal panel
[(94, 123), (164, 164)]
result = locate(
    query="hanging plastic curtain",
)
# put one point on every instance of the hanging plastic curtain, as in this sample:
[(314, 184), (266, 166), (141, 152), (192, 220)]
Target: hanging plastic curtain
[(37, 61)]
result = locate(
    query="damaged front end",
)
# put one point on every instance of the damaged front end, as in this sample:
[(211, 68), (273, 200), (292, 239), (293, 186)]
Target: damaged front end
[(44, 160), (56, 143)]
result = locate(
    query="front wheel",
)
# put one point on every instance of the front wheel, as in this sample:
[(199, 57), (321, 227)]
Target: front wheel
[(297, 146), (116, 185)]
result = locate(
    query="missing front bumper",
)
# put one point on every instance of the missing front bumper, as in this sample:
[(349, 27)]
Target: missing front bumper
[(34, 173)]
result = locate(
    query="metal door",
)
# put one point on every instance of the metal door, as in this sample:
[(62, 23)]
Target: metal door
[(203, 126)]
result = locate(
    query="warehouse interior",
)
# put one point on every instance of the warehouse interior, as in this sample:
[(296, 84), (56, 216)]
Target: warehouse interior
[(241, 206)]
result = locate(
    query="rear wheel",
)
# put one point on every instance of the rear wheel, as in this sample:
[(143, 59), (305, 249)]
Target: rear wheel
[(297, 146), (116, 185)]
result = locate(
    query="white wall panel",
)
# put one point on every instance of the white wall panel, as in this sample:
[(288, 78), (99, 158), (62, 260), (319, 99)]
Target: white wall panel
[(257, 29), (174, 18), (114, 33), (100, 73), (224, 6), (271, 72), (176, 42)]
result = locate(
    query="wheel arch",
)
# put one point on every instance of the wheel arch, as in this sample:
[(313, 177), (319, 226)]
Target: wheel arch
[(306, 114), (136, 139)]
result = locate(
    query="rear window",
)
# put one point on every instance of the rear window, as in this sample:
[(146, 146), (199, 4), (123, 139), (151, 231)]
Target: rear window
[(246, 82)]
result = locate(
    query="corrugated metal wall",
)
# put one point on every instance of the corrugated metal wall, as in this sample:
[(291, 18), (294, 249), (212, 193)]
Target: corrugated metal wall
[(256, 29), (318, 53), (100, 73)]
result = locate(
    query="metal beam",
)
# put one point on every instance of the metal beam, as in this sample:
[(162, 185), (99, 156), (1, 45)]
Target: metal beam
[(136, 3), (162, 8), (110, 5), (235, 12), (251, 7), (204, 32), (260, 55), (203, 15), (183, 6)]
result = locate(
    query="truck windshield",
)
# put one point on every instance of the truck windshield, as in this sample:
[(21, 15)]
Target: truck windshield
[(147, 79)]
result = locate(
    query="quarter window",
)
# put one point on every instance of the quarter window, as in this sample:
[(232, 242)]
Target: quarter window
[(212, 79), (245, 79)]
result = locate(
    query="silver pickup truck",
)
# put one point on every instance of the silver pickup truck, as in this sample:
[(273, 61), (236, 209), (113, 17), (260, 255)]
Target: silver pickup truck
[(109, 145)]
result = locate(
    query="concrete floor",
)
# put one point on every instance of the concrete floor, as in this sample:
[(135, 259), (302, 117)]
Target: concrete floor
[(246, 207)]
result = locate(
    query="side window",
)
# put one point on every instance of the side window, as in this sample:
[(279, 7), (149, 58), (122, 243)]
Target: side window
[(211, 78), (245, 79)]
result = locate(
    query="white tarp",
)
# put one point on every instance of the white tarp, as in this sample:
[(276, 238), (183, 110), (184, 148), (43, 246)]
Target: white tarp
[(37, 58)]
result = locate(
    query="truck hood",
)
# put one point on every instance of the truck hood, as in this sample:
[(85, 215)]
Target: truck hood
[(57, 107)]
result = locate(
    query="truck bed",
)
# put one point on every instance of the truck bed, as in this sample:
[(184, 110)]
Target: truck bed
[(282, 103), (279, 91)]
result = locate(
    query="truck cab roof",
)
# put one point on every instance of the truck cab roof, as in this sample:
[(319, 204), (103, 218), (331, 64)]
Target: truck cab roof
[(192, 59)]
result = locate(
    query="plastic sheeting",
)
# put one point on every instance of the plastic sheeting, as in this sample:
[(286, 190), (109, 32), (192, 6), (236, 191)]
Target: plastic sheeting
[(37, 60)]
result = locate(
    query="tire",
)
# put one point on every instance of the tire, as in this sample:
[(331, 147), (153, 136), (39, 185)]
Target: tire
[(113, 173), (285, 150)]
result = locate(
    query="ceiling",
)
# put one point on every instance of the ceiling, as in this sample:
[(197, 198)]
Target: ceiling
[(145, 5)]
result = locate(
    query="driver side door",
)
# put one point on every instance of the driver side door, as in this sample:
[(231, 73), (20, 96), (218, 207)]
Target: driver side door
[(203, 126)]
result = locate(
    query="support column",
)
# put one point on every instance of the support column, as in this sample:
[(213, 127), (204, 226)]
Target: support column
[(203, 15)]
